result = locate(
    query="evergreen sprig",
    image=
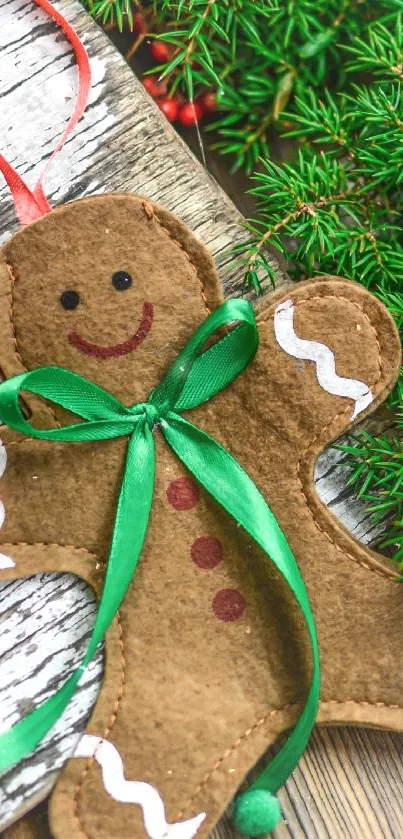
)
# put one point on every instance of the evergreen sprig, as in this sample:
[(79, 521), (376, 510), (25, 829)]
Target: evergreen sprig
[(337, 207), (377, 477), (340, 202), (207, 34), (110, 12)]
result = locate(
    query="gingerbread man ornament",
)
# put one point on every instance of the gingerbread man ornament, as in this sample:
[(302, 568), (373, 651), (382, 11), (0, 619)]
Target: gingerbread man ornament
[(208, 662)]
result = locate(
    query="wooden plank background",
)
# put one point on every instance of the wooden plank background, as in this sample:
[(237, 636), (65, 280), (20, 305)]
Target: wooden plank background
[(350, 783)]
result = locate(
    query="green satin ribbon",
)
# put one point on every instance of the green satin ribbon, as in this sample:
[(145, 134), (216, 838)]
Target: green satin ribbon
[(193, 378)]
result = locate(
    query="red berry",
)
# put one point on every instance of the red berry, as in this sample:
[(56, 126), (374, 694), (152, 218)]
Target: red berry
[(169, 106), (190, 114), (159, 51), (139, 24), (208, 102), (153, 86)]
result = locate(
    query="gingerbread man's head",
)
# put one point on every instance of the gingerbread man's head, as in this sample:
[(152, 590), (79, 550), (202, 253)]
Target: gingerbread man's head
[(110, 287)]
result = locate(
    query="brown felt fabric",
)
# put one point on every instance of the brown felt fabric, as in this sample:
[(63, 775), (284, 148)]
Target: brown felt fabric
[(189, 700)]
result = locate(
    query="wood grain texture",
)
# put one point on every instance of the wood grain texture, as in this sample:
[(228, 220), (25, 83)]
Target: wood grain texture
[(349, 784)]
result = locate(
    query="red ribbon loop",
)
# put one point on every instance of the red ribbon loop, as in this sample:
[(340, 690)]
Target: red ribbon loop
[(33, 204)]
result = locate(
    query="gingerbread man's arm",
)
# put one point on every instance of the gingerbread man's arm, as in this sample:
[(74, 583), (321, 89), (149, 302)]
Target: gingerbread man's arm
[(20, 559), (335, 355)]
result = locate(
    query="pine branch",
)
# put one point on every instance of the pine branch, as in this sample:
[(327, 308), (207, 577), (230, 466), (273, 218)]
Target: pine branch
[(359, 234), (381, 53), (307, 202), (376, 465), (304, 49), (207, 35)]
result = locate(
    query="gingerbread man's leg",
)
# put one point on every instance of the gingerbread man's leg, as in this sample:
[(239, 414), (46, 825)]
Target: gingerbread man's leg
[(23, 560)]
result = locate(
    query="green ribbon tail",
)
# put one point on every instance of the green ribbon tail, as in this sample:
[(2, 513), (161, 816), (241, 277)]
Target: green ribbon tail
[(223, 477), (128, 537)]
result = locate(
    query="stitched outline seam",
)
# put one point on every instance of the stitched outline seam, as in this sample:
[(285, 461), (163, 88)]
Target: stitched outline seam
[(322, 529), (149, 211), (217, 765), (13, 280), (90, 763)]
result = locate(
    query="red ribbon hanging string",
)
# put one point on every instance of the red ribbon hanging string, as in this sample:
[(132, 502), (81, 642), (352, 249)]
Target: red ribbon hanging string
[(33, 204)]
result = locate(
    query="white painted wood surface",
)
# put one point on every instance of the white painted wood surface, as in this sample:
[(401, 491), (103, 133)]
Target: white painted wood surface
[(124, 144)]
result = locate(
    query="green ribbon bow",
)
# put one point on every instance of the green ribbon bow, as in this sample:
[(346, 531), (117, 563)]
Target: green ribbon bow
[(193, 378)]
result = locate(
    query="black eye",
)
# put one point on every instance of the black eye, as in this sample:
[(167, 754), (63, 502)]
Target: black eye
[(69, 300), (121, 280)]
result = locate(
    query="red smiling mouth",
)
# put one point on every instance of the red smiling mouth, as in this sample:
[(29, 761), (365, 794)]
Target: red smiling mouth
[(117, 349)]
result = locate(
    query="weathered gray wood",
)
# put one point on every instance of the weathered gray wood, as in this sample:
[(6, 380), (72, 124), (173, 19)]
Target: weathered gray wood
[(349, 784)]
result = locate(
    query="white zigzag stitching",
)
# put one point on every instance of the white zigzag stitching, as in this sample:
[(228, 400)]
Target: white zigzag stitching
[(323, 358), (135, 792)]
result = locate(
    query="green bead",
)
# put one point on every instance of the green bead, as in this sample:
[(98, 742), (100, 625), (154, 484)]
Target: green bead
[(256, 812)]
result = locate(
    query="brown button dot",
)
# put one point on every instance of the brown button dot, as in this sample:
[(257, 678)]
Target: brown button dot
[(207, 552), (182, 494), (228, 604)]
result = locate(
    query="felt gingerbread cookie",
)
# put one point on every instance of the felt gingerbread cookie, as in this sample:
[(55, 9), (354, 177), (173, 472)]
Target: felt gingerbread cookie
[(208, 662), (107, 307)]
